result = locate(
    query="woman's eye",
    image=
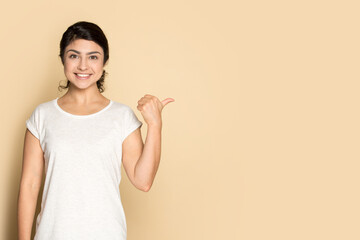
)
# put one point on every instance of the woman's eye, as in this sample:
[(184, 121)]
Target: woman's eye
[(93, 57), (72, 56)]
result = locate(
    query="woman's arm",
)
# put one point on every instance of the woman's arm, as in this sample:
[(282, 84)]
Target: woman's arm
[(148, 163), (31, 177), (141, 162)]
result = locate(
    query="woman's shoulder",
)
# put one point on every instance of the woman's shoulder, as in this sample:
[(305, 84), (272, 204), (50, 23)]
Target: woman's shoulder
[(44, 106), (121, 106)]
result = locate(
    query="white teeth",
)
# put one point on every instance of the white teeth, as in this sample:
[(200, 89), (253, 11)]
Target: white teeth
[(83, 75)]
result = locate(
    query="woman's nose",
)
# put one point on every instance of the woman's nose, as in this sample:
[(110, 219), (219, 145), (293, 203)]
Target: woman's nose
[(82, 64)]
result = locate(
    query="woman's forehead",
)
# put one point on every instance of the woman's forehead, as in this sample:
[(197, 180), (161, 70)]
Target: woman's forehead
[(83, 45)]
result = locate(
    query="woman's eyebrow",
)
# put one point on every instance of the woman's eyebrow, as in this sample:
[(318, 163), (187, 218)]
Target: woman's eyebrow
[(79, 52)]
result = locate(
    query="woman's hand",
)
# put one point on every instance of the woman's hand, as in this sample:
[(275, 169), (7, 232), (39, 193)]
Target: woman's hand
[(151, 107)]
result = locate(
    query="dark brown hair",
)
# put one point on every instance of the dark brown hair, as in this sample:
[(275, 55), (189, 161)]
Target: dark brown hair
[(88, 31)]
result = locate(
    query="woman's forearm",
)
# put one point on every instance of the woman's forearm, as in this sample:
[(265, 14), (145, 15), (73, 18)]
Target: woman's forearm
[(27, 200), (148, 163)]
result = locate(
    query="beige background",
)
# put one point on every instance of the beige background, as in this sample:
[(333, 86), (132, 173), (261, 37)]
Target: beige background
[(262, 141)]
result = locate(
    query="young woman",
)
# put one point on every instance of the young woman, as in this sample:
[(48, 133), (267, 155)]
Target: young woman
[(80, 141)]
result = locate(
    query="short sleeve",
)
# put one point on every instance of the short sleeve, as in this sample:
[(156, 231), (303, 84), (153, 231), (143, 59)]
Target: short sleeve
[(131, 123), (32, 123)]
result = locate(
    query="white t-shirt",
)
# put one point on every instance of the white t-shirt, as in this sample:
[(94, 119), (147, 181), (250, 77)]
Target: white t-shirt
[(83, 156)]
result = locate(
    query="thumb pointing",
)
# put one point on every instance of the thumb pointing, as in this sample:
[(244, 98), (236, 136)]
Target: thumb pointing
[(166, 101)]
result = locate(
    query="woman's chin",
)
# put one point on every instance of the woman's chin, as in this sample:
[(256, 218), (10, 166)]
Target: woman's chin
[(82, 84)]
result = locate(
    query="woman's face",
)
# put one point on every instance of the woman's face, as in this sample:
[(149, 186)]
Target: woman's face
[(83, 63)]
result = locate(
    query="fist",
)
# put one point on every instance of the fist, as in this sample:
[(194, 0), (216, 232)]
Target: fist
[(151, 107)]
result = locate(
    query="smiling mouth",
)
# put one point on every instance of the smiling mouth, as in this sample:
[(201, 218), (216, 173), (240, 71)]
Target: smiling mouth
[(82, 76)]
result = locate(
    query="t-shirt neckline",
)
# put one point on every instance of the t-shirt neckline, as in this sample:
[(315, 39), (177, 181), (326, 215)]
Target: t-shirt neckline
[(80, 116)]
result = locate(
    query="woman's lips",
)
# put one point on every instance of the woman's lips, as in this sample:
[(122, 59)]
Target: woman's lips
[(82, 76)]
